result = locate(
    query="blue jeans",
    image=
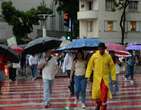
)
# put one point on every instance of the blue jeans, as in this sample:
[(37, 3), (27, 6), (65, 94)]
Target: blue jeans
[(34, 70), (47, 90), (130, 72), (80, 83), (114, 88)]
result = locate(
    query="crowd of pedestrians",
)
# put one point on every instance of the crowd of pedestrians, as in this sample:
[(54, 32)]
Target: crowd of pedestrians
[(101, 67)]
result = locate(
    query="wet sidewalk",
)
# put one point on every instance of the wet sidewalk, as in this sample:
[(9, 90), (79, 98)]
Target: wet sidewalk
[(27, 95)]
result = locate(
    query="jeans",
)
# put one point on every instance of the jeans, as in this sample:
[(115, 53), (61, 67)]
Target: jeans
[(47, 90), (130, 72), (80, 83), (114, 88), (34, 70)]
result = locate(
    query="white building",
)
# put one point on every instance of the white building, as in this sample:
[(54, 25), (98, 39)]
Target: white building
[(97, 19), (53, 24)]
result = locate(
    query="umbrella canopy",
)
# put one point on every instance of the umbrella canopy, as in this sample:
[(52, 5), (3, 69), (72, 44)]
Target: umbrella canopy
[(134, 47), (88, 43), (115, 46), (8, 53), (119, 49), (41, 44), (17, 49)]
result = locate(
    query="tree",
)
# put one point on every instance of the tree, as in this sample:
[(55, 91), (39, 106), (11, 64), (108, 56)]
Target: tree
[(71, 7), (122, 5), (22, 22)]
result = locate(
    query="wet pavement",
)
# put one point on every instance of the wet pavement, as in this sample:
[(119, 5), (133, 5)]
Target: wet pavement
[(27, 95)]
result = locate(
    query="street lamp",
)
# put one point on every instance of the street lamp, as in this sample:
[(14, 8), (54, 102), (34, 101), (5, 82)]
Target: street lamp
[(43, 18)]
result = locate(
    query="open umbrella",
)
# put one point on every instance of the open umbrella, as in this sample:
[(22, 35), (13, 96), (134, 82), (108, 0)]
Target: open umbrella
[(41, 44), (119, 49), (87, 43), (133, 47), (8, 53), (17, 49)]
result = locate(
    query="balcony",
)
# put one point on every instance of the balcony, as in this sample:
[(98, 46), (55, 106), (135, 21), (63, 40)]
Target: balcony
[(92, 14)]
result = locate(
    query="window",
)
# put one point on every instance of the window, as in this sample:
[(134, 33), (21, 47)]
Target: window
[(90, 26), (133, 5), (134, 26), (110, 26), (90, 5), (109, 5)]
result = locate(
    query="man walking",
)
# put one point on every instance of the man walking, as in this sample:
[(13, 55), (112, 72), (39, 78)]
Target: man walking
[(103, 65), (33, 64)]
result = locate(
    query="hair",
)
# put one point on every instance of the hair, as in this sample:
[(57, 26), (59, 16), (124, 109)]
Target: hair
[(81, 52)]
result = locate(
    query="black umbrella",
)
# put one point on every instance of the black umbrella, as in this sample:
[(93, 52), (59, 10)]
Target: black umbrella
[(8, 53), (42, 44)]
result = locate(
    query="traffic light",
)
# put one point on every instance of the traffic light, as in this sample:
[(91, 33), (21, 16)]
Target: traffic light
[(66, 19)]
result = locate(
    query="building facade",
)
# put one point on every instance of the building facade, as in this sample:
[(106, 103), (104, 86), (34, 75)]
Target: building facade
[(98, 18), (54, 25)]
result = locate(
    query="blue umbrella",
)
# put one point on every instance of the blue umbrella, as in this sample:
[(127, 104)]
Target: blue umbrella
[(88, 43)]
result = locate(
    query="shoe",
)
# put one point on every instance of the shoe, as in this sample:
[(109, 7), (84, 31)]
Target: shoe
[(132, 82), (83, 105), (125, 79)]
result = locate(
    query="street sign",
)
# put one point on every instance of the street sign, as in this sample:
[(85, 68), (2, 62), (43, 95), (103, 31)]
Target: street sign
[(12, 41)]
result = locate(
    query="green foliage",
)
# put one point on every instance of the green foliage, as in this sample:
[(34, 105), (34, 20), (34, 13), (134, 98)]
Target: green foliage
[(22, 22)]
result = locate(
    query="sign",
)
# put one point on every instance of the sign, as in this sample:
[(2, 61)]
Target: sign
[(11, 41)]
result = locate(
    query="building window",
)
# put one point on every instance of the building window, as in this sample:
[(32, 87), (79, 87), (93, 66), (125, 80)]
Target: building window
[(90, 26), (90, 5), (109, 5), (134, 26), (110, 26), (133, 5)]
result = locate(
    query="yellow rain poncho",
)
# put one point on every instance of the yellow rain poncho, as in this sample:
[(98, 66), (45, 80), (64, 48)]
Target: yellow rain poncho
[(103, 66)]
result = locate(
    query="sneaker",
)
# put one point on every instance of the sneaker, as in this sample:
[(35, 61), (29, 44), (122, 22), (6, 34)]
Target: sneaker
[(125, 79), (83, 105), (131, 82)]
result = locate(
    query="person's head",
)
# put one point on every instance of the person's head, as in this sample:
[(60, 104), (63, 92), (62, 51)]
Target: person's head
[(80, 55), (112, 53), (101, 48), (48, 53)]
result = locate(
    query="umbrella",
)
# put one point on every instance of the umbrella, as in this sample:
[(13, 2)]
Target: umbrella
[(134, 47), (88, 43), (115, 46), (17, 49), (41, 44), (8, 53), (119, 49)]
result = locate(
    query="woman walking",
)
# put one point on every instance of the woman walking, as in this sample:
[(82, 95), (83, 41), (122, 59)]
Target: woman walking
[(80, 82)]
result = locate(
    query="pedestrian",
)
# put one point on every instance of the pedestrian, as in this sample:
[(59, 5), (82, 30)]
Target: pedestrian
[(67, 66), (33, 61), (49, 67), (115, 88), (80, 82), (1, 76), (102, 64), (130, 68)]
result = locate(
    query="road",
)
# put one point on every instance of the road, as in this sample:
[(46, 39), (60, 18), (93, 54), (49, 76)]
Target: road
[(27, 95)]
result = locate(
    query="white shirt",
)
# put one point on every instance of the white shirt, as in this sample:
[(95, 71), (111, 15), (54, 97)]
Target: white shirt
[(33, 60), (68, 61), (50, 69), (80, 68)]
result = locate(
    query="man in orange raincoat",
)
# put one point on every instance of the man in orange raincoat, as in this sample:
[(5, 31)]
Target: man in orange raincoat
[(103, 66)]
